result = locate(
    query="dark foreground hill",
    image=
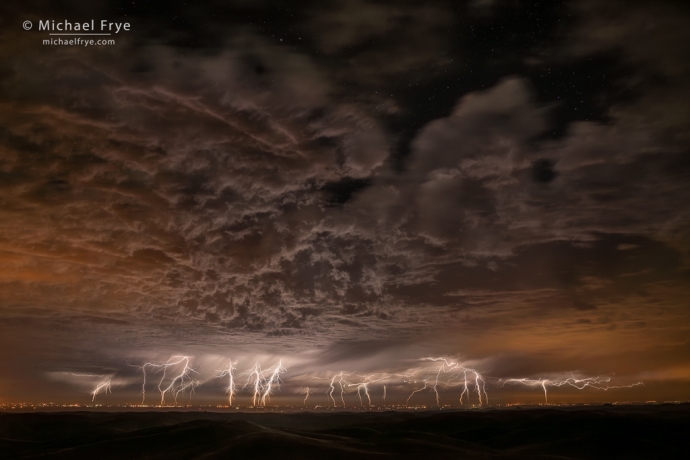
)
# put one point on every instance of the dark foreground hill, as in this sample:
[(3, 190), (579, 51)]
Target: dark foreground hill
[(632, 432)]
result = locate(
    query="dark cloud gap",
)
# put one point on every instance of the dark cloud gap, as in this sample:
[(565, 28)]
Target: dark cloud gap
[(543, 170), (488, 48), (206, 26), (582, 90), (338, 193)]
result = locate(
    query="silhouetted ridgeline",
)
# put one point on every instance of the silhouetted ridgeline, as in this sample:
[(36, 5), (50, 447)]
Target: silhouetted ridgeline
[(607, 432)]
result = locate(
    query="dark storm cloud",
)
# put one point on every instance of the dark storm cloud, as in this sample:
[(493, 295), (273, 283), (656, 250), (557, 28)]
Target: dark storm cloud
[(226, 237), (380, 176)]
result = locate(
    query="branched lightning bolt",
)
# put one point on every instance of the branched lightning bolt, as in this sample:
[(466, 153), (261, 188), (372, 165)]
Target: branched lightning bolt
[(263, 382), (359, 394), (272, 381), (407, 402), (231, 389), (331, 388), (103, 386), (438, 373), (340, 376), (362, 384), (179, 383), (254, 376), (597, 383), (454, 371)]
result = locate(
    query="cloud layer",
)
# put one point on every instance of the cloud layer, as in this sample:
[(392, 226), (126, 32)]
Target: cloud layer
[(252, 197)]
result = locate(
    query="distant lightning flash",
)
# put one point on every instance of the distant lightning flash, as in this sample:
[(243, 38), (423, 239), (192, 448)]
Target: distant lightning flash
[(256, 375), (407, 402), (263, 382), (359, 394), (363, 383), (231, 389), (179, 383), (104, 386), (340, 376), (453, 371), (436, 374), (597, 383), (273, 380), (331, 388), (362, 386)]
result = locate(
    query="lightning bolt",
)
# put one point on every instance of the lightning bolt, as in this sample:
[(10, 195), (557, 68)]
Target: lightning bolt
[(597, 383), (179, 382), (407, 402), (359, 394), (231, 389), (273, 380), (436, 374), (465, 389), (263, 382), (363, 384), (103, 386), (435, 387), (340, 376), (455, 371), (331, 389), (256, 376)]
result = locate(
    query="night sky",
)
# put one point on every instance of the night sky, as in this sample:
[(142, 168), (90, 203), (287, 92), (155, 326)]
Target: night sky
[(349, 186)]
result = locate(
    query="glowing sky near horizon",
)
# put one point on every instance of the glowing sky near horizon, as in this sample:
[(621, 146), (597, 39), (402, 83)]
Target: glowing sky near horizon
[(347, 186)]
